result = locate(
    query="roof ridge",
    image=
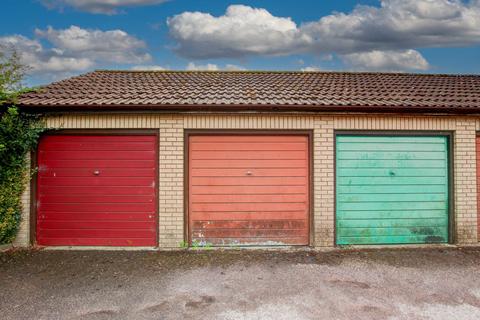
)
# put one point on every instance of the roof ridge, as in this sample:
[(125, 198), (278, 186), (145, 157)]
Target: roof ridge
[(283, 72)]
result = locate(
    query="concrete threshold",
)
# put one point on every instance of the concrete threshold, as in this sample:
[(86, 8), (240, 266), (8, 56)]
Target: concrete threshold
[(96, 248), (259, 248)]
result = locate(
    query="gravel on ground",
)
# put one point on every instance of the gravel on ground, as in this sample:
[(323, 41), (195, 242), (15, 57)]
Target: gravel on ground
[(431, 283)]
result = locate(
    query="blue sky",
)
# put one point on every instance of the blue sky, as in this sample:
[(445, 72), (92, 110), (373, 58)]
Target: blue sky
[(61, 38)]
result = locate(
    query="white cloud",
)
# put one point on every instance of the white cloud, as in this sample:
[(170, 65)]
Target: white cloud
[(65, 64), (234, 67), (113, 45), (148, 68), (207, 67), (397, 25), (241, 31), (76, 49), (213, 67), (40, 59), (310, 69), (98, 6), (386, 60)]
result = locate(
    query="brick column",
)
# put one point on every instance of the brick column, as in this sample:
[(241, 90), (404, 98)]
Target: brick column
[(171, 215), (324, 191), (465, 182)]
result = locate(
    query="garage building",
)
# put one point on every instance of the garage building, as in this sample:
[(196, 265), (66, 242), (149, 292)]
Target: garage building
[(322, 159)]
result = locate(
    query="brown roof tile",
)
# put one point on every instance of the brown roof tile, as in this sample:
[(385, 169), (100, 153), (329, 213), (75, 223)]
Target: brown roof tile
[(175, 90)]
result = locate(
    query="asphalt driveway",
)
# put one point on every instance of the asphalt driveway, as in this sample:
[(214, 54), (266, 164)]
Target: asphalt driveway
[(388, 284)]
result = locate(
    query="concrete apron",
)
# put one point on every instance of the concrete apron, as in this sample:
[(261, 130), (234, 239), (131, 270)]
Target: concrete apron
[(259, 248)]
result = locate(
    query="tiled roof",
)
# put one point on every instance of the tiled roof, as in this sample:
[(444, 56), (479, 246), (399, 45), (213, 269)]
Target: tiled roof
[(203, 90)]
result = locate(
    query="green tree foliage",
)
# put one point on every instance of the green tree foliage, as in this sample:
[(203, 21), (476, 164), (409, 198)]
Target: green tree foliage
[(19, 133)]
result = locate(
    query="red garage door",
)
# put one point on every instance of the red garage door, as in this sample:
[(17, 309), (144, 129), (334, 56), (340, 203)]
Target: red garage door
[(249, 190), (97, 190)]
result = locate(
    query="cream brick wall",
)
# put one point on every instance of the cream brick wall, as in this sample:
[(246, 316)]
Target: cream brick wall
[(171, 159)]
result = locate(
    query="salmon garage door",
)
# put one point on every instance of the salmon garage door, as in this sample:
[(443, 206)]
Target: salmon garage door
[(97, 190), (391, 189), (248, 189)]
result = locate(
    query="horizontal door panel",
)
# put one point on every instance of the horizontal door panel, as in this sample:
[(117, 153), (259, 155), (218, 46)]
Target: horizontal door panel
[(212, 190), (248, 181), (399, 172), (93, 139), (249, 164), (255, 207), (194, 139), (392, 155), (390, 164), (104, 172), (372, 206), (390, 180), (392, 139), (253, 198), (373, 146), (96, 181), (98, 207), (248, 155), (401, 197), (124, 146), (97, 155), (248, 233), (391, 189), (98, 241), (233, 216), (411, 239), (388, 223), (256, 172), (97, 233), (248, 146), (73, 198), (393, 231), (259, 241), (391, 214), (94, 224), (250, 224), (124, 164), (95, 216), (95, 190)]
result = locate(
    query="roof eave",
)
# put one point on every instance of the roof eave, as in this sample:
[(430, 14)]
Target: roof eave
[(245, 107)]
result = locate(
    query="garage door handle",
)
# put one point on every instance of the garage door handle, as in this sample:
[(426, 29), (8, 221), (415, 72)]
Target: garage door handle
[(248, 173), (96, 172)]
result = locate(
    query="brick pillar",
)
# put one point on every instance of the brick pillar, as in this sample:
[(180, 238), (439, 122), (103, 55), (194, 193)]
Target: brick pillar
[(323, 164), (171, 215), (465, 182)]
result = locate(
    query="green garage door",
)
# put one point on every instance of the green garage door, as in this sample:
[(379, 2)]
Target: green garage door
[(391, 189)]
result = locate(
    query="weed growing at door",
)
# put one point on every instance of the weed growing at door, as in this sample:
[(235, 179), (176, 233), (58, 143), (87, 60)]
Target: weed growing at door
[(201, 245)]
